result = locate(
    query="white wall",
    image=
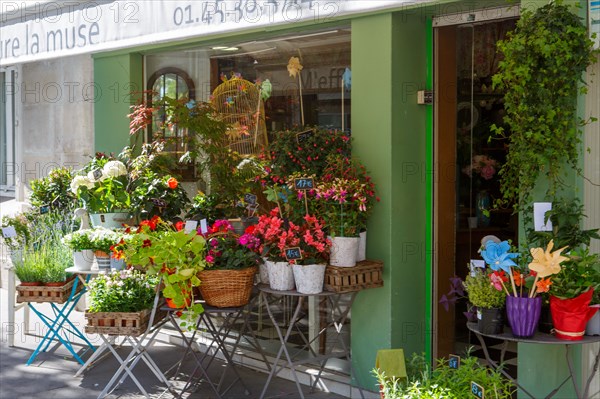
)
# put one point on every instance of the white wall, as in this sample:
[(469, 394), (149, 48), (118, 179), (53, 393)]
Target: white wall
[(55, 114)]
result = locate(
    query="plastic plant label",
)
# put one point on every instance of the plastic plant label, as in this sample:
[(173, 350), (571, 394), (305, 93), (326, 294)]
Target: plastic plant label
[(9, 232), (203, 226), (304, 183), (477, 390), (250, 199), (190, 225), (454, 361), (294, 253), (305, 135), (476, 263), (97, 173)]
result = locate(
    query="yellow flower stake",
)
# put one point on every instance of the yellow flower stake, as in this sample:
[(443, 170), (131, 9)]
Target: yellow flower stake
[(545, 263), (294, 67)]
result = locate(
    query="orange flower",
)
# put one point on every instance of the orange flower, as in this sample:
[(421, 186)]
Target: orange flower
[(543, 285), (173, 183), (518, 278)]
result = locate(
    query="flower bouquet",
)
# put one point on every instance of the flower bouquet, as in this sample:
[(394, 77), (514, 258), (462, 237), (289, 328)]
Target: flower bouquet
[(523, 305)]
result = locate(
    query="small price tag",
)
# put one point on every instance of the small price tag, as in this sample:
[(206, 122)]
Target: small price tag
[(305, 135), (159, 202), (294, 253), (250, 199), (97, 173), (203, 226), (190, 225), (304, 183), (9, 232), (44, 209), (454, 361), (477, 390)]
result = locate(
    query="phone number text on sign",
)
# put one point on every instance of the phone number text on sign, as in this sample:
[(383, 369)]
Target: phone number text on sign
[(253, 11)]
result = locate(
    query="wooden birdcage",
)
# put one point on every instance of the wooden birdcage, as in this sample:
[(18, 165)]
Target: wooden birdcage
[(239, 103)]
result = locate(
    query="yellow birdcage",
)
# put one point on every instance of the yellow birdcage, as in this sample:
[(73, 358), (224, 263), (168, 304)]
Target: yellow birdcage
[(239, 102)]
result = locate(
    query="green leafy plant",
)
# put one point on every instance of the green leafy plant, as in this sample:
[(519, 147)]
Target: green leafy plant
[(227, 251), (29, 271), (79, 240), (45, 263), (580, 273), (482, 293), (157, 195), (122, 291), (444, 382), (176, 256), (541, 72), (53, 190)]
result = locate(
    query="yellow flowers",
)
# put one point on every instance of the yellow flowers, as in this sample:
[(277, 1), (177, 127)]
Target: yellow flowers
[(546, 263), (294, 67)]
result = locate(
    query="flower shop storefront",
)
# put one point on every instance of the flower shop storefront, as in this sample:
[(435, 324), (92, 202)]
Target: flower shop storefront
[(326, 127)]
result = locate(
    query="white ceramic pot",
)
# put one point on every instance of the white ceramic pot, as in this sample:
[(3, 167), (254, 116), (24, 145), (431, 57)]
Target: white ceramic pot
[(109, 220), (263, 273), (343, 251), (362, 247), (82, 260), (309, 278), (281, 276), (593, 325)]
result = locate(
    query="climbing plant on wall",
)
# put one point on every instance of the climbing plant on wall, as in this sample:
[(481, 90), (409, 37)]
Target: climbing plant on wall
[(541, 74)]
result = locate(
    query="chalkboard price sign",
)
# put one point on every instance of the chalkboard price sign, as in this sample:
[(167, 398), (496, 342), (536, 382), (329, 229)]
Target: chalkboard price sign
[(454, 361), (477, 390), (250, 199), (97, 173), (305, 135), (304, 183), (293, 253)]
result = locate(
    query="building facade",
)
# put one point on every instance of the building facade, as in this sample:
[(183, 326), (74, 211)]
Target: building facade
[(69, 73)]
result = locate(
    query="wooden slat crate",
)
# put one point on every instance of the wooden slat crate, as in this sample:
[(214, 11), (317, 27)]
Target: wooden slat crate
[(366, 274), (120, 323), (46, 294)]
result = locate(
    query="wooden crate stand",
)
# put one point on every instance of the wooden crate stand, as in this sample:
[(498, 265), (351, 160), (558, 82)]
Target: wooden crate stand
[(120, 323), (366, 274), (42, 293)]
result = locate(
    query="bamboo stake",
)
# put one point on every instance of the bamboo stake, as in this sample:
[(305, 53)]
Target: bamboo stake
[(534, 288), (512, 281), (343, 117)]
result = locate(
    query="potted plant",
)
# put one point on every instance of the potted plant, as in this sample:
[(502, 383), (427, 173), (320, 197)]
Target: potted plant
[(102, 239), (81, 245), (29, 272), (158, 195), (593, 326), (276, 235), (489, 302), (102, 186), (176, 256), (309, 271), (231, 263)]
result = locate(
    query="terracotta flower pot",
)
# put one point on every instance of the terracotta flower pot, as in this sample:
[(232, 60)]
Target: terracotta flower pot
[(55, 283)]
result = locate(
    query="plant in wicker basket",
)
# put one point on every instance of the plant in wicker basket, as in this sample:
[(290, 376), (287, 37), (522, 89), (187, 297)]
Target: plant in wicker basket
[(231, 263)]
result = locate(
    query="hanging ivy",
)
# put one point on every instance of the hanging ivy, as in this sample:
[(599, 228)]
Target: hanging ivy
[(541, 74)]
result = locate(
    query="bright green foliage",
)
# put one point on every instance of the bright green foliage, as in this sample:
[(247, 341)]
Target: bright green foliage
[(122, 291), (544, 59), (53, 189), (482, 293)]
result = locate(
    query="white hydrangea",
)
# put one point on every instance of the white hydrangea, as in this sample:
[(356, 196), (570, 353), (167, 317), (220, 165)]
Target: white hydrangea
[(79, 181), (114, 169)]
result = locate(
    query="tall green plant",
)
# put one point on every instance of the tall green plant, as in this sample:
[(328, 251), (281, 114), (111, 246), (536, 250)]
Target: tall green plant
[(541, 73)]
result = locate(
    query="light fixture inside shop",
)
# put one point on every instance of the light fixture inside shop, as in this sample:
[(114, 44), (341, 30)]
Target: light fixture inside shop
[(219, 47), (231, 49)]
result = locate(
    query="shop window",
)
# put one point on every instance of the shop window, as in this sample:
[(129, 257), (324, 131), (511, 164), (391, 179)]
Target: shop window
[(173, 83), (7, 130)]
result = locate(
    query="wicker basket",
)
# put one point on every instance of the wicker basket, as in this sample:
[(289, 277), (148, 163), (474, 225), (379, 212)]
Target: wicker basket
[(43, 293), (120, 323), (227, 288), (366, 274)]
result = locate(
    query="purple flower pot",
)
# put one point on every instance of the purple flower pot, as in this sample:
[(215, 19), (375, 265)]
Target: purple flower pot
[(523, 315)]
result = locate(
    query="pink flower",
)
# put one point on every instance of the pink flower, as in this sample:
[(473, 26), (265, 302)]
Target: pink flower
[(487, 172), (210, 258)]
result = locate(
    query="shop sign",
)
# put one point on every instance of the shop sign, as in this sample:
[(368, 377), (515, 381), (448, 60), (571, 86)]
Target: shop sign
[(49, 29)]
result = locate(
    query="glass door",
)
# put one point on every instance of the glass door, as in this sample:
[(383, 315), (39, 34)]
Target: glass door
[(7, 130)]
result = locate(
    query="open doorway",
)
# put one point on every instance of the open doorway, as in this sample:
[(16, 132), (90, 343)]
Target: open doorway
[(466, 163)]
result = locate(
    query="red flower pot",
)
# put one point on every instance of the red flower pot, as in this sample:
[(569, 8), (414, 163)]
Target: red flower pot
[(571, 315)]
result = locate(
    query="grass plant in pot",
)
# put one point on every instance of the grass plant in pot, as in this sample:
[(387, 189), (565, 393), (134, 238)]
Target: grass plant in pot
[(309, 271), (489, 302), (81, 245), (231, 263), (161, 249)]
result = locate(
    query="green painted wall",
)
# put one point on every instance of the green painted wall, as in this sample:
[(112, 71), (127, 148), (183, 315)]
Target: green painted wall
[(389, 131), (115, 78)]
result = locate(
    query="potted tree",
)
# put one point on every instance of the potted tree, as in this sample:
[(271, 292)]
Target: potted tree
[(231, 263)]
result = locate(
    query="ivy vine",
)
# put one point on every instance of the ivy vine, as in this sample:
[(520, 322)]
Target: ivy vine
[(541, 74)]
